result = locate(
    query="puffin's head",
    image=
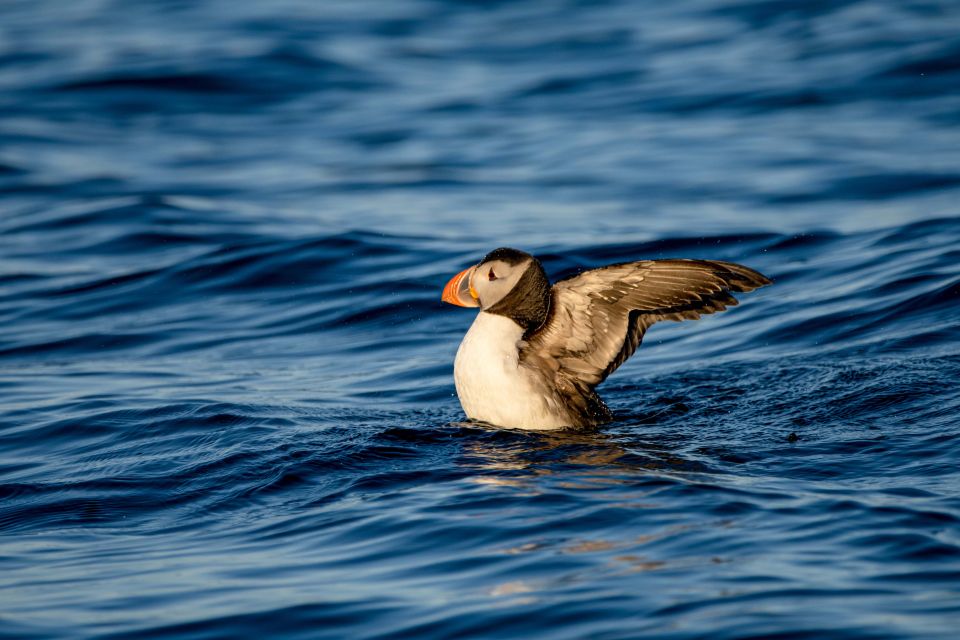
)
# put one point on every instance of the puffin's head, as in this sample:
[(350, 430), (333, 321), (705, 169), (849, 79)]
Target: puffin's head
[(506, 282)]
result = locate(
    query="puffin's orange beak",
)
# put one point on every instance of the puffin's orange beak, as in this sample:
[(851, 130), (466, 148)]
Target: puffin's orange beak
[(459, 291)]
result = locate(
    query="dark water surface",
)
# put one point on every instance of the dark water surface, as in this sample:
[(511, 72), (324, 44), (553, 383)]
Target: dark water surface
[(226, 398)]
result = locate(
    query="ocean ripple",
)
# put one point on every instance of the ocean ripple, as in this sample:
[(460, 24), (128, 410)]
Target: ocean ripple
[(226, 374)]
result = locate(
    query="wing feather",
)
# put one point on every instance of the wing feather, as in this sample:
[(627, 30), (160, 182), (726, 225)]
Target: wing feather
[(598, 318)]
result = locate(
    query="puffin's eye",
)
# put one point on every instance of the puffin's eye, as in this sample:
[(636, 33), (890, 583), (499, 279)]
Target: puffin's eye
[(492, 275)]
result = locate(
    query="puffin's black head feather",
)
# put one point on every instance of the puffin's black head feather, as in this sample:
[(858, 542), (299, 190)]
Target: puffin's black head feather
[(508, 255)]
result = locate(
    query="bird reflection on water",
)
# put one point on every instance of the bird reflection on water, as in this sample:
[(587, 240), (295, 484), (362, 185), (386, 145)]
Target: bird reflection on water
[(625, 473), (591, 455)]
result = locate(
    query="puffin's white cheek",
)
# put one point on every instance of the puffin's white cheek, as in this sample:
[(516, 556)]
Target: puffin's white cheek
[(489, 295), (484, 294)]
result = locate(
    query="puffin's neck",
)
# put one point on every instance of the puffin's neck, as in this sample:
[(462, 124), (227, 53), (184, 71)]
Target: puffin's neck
[(528, 303)]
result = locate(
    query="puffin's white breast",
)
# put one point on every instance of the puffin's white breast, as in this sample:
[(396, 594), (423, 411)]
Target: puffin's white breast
[(492, 384)]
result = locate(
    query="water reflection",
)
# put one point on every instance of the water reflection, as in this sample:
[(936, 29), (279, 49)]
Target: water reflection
[(613, 529), (584, 459)]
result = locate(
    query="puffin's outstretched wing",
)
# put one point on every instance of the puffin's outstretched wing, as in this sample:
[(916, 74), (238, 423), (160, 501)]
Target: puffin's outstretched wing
[(598, 318)]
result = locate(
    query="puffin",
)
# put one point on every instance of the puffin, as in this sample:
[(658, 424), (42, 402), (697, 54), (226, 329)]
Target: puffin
[(536, 352)]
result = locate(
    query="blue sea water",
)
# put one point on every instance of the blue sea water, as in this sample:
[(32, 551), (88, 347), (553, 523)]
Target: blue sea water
[(226, 397)]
